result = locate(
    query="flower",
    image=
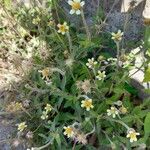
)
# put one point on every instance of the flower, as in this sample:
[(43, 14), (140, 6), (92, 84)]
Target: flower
[(101, 75), (22, 126), (48, 108), (44, 115), (123, 110), (91, 63), (45, 73), (36, 20), (132, 135), (76, 6), (87, 103), (117, 36), (68, 131), (63, 28), (112, 111)]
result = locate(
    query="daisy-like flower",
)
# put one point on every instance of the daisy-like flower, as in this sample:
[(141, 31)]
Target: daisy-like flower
[(44, 115), (91, 63), (112, 111), (76, 6), (101, 75), (117, 36), (48, 108), (45, 73), (21, 126), (132, 135), (63, 28), (68, 131), (87, 103)]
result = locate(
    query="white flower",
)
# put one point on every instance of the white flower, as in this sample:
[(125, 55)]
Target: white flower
[(76, 6), (22, 126), (117, 36), (48, 108), (34, 42), (87, 103), (68, 131), (44, 115), (63, 28), (91, 63), (132, 135), (112, 111), (101, 75)]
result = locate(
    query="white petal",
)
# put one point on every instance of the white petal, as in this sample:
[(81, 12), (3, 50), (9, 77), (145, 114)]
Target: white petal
[(78, 12), (82, 105), (90, 100), (88, 109), (72, 11), (70, 2), (128, 135), (131, 140), (82, 3), (58, 25), (77, 0), (65, 23), (108, 113), (92, 106), (114, 115)]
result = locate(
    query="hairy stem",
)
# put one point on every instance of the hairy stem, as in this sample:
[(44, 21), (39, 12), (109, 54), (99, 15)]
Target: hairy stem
[(86, 26)]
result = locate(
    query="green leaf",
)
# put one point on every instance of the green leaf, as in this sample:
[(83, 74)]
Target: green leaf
[(147, 38), (130, 89), (147, 124), (58, 140), (147, 75)]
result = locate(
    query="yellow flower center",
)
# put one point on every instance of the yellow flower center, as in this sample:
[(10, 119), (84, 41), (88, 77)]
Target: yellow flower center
[(45, 72), (69, 131), (62, 28), (76, 5), (87, 103), (113, 110), (117, 36), (133, 135)]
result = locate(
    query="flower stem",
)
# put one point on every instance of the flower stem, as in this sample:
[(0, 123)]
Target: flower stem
[(86, 26), (70, 41), (118, 54), (120, 122)]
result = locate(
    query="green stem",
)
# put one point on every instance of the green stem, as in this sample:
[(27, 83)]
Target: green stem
[(118, 121), (70, 41), (86, 26), (42, 147), (118, 54)]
